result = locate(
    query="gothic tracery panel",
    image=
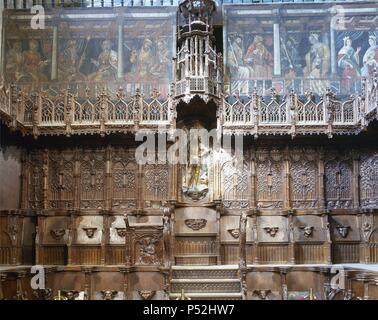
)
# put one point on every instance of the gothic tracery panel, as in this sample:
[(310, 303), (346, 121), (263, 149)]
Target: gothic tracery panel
[(156, 182), (236, 185), (92, 180), (338, 184), (269, 175), (124, 180), (369, 180), (35, 181), (304, 175)]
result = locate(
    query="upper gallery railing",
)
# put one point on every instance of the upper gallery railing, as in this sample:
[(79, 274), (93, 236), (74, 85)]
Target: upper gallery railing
[(42, 112), (66, 113), (26, 4)]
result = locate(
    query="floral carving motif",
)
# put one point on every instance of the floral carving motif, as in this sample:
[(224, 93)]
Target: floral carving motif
[(195, 224)]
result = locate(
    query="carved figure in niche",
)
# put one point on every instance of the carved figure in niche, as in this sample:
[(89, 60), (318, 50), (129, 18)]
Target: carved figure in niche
[(370, 58), (259, 58), (71, 59), (106, 63), (307, 231), (147, 250), (33, 65), (348, 61), (272, 231), (195, 178), (317, 64), (14, 62)]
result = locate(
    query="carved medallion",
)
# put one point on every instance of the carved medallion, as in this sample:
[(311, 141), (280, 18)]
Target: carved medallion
[(57, 234), (121, 232), (343, 230), (146, 294), (90, 232), (307, 231), (195, 224), (235, 233), (272, 231)]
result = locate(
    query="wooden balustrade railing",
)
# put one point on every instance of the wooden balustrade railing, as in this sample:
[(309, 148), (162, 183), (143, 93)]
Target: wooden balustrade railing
[(45, 112)]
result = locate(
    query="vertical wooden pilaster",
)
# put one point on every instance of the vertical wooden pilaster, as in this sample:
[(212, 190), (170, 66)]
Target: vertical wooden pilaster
[(355, 179), (321, 190), (140, 193), (253, 191), (108, 178), (45, 179), (287, 182), (77, 188)]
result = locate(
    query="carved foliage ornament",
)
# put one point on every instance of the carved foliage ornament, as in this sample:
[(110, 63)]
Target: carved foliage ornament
[(57, 234), (195, 224), (272, 231), (90, 232)]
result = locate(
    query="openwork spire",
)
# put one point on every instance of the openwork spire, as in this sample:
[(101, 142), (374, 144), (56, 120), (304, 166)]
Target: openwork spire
[(198, 67)]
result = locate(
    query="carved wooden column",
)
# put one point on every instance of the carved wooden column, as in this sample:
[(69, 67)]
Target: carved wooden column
[(76, 177), (321, 190), (127, 242), (355, 179), (105, 236), (325, 279), (45, 179), (242, 240), (140, 193), (40, 231), (20, 293), (253, 180), (54, 55), (255, 256), (287, 182), (108, 178), (71, 237), (3, 278), (366, 223), (25, 173), (87, 282), (291, 240), (327, 243), (284, 289), (125, 271), (217, 237)]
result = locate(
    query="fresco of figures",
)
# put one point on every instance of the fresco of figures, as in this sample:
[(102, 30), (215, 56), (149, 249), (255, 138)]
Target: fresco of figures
[(28, 60), (134, 52), (302, 53)]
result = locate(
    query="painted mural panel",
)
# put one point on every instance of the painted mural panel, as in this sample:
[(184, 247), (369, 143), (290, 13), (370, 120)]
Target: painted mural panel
[(87, 51), (300, 48), (27, 52)]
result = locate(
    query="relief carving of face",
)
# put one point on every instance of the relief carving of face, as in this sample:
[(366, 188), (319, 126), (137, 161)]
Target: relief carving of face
[(109, 294), (90, 232)]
